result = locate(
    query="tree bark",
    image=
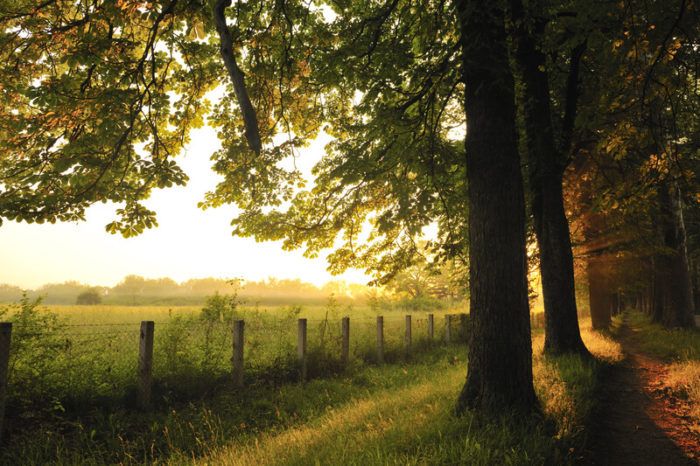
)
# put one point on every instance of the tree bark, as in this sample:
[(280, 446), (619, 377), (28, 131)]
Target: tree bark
[(657, 298), (614, 303), (499, 375), (678, 293), (696, 281), (598, 293), (546, 165)]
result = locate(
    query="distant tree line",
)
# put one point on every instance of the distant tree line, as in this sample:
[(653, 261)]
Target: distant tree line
[(414, 289)]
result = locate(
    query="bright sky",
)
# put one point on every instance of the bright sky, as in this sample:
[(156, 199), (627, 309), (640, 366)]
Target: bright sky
[(188, 243)]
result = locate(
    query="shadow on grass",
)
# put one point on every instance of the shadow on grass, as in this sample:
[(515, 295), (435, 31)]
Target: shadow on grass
[(188, 426)]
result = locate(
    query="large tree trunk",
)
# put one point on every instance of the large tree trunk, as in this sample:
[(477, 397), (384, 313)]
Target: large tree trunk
[(562, 333), (657, 299), (696, 286), (499, 375), (678, 293), (615, 303), (598, 293), (546, 170)]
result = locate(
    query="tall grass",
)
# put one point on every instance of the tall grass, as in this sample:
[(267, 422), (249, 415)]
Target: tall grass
[(413, 424), (682, 348), (400, 412), (676, 344)]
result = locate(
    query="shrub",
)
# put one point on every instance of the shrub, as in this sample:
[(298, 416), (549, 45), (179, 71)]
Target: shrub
[(36, 344), (88, 297)]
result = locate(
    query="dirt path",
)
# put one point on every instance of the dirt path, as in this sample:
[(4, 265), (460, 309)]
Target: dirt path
[(639, 423)]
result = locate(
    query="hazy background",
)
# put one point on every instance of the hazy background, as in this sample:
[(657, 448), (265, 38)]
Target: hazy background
[(188, 243)]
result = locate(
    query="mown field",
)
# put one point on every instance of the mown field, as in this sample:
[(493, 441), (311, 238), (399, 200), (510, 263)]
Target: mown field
[(72, 394)]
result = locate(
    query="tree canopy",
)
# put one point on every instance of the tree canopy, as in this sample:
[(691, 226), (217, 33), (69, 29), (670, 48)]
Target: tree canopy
[(435, 108)]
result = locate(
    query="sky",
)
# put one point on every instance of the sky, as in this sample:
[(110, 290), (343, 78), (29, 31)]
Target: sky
[(188, 243)]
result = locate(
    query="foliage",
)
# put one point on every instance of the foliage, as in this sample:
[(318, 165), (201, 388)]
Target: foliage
[(391, 89), (220, 308), (91, 296), (431, 282), (95, 104), (98, 98), (637, 134), (151, 67), (37, 342)]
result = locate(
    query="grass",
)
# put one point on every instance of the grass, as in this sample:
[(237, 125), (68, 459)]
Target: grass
[(397, 413), (654, 339), (413, 424), (679, 346), (88, 356)]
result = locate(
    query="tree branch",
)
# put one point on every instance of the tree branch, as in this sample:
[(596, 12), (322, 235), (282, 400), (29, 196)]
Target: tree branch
[(250, 118), (572, 95)]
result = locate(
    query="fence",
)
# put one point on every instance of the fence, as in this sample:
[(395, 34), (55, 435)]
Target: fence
[(99, 360)]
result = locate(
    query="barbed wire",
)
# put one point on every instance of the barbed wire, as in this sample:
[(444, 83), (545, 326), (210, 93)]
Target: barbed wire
[(255, 324)]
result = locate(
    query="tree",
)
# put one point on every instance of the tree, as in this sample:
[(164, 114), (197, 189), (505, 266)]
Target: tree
[(640, 160), (398, 160), (395, 80), (423, 279), (61, 293), (393, 83), (500, 354), (98, 97), (91, 296), (548, 155)]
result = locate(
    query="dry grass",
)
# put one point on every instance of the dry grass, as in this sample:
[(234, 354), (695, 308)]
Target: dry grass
[(682, 347), (684, 380)]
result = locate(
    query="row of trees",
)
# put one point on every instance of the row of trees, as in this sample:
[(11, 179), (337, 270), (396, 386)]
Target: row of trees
[(597, 101), (431, 285)]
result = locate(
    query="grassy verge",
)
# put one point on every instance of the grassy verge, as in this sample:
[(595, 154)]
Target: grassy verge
[(654, 339), (681, 347), (396, 424), (393, 414), (413, 424)]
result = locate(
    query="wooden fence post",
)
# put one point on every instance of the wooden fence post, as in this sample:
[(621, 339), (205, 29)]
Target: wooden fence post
[(448, 328), (407, 337), (464, 326), (345, 348), (5, 339), (301, 348), (431, 326), (238, 341), (380, 339), (146, 363)]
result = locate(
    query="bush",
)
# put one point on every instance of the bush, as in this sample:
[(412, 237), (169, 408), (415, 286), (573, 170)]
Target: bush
[(88, 297), (36, 344)]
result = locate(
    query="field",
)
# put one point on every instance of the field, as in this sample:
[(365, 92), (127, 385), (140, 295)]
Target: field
[(74, 381)]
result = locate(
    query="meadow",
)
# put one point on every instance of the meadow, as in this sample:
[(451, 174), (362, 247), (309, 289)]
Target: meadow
[(78, 356), (72, 393)]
